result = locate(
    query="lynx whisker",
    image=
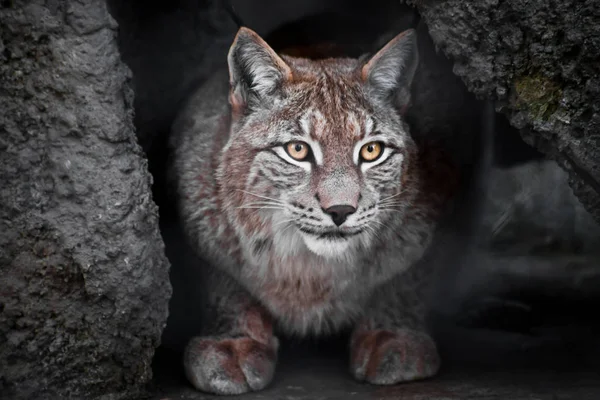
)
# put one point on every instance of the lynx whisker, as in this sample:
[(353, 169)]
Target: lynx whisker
[(285, 229), (261, 208), (382, 224), (261, 196), (284, 221), (391, 207), (380, 206), (394, 201), (391, 197), (261, 203)]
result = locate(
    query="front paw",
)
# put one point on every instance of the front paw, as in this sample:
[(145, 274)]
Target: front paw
[(384, 357), (230, 365)]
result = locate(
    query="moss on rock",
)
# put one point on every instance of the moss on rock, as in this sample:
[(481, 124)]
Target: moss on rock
[(538, 95)]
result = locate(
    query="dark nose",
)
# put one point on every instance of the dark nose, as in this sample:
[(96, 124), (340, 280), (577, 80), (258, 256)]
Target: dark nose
[(340, 213)]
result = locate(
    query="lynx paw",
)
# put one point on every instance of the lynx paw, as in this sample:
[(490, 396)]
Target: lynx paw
[(384, 357), (229, 365)]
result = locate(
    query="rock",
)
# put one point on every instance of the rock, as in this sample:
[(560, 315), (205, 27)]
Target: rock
[(84, 282), (539, 60)]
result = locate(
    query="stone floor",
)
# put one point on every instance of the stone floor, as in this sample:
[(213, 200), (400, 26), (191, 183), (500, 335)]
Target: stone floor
[(558, 364)]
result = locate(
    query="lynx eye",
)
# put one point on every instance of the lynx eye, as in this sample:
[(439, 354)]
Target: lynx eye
[(299, 151), (371, 151)]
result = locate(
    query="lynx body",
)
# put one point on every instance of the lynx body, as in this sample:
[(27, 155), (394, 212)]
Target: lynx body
[(300, 184)]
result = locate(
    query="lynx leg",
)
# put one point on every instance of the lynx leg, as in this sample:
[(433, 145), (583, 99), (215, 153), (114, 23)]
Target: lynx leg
[(390, 344), (239, 352)]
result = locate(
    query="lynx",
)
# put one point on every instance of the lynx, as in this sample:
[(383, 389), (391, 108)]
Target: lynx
[(301, 186)]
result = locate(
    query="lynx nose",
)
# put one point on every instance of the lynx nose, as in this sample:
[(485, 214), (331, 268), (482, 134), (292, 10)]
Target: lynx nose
[(339, 214)]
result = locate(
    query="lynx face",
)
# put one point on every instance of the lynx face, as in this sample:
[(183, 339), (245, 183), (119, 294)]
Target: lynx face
[(318, 154)]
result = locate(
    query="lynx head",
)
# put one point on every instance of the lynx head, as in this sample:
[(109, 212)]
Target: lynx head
[(318, 155)]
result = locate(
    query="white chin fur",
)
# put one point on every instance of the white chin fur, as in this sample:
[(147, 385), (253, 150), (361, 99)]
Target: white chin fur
[(324, 247)]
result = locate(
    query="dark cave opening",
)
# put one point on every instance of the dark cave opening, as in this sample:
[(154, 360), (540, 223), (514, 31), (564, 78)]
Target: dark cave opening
[(173, 47)]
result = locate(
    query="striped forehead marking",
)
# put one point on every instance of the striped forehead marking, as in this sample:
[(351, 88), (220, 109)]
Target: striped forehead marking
[(353, 125), (369, 125), (314, 123)]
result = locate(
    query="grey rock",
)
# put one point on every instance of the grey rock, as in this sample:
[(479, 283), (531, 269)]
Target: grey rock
[(539, 59), (83, 277)]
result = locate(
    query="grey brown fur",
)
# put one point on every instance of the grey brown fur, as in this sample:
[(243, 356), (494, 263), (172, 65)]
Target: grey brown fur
[(259, 216)]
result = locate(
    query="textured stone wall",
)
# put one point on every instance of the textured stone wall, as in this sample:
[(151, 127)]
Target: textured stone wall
[(540, 60), (83, 277)]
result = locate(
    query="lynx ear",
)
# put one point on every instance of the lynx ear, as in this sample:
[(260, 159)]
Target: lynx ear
[(390, 72), (255, 70)]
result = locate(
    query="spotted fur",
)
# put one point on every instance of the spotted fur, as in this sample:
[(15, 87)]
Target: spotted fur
[(259, 216)]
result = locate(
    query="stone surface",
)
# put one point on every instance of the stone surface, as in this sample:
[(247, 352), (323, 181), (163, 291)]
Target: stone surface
[(539, 60), (83, 276)]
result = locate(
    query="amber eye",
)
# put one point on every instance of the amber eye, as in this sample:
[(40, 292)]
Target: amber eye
[(371, 151), (299, 151)]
